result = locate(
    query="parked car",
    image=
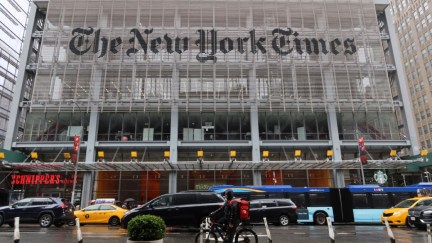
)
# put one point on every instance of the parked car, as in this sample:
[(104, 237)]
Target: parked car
[(100, 214), (277, 211), (398, 215), (45, 211), (179, 209), (420, 216)]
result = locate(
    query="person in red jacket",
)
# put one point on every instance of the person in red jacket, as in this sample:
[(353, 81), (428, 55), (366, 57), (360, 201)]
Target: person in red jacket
[(231, 217)]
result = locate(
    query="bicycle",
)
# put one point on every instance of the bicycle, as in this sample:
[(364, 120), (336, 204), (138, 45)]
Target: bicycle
[(210, 231)]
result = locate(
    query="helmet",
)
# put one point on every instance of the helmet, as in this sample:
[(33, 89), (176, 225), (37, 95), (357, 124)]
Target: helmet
[(229, 194)]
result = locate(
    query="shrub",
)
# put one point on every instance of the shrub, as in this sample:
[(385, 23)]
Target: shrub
[(146, 228)]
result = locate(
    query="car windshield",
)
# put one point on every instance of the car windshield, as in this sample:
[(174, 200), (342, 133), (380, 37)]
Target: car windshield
[(405, 203)]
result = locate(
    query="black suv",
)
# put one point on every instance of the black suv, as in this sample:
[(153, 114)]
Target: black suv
[(277, 211), (179, 209), (45, 211), (420, 216)]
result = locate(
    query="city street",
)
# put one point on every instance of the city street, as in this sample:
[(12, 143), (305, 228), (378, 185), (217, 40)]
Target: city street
[(292, 233)]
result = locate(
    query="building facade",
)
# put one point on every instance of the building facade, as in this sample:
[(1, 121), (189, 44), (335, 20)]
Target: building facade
[(269, 92), (413, 24), (13, 19)]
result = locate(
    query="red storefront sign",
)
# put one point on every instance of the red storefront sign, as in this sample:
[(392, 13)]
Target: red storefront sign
[(53, 179)]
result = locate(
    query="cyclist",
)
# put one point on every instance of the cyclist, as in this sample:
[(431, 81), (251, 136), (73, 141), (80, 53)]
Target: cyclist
[(231, 217)]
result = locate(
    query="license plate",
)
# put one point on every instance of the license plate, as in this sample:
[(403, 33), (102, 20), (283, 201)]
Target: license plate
[(412, 218)]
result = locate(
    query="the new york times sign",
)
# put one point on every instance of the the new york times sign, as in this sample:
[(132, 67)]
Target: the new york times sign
[(283, 42)]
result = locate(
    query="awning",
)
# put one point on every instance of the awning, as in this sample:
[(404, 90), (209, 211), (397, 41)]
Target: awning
[(204, 165)]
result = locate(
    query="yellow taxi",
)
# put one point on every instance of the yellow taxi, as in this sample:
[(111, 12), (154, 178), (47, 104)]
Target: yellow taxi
[(398, 215), (100, 214)]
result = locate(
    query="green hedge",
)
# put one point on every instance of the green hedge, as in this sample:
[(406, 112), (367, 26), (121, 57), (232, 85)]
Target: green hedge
[(146, 228)]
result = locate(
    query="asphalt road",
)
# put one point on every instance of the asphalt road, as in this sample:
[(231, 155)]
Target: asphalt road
[(292, 233)]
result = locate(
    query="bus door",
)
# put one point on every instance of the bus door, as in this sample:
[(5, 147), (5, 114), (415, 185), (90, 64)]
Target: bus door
[(341, 202), (302, 211), (362, 207)]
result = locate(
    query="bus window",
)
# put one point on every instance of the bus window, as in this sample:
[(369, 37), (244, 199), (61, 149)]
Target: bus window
[(360, 200), (276, 195), (299, 199), (400, 196), (253, 196), (319, 199), (380, 200)]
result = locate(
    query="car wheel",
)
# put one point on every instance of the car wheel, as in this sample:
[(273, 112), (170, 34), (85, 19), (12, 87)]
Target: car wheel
[(113, 221), (59, 224), (72, 223), (1, 219), (320, 218), (45, 220), (284, 220), (409, 223)]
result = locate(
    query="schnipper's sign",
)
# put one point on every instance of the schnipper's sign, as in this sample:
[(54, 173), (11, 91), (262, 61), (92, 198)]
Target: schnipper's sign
[(284, 42), (47, 179)]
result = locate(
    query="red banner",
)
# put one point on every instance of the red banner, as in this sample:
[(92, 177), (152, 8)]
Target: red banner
[(76, 145), (362, 150)]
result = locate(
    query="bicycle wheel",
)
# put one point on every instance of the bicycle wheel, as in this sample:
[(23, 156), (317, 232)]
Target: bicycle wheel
[(206, 237), (246, 235)]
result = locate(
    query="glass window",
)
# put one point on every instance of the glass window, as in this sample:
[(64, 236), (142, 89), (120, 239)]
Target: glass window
[(284, 203), (360, 200), (256, 195), (380, 200), (405, 203), (162, 201), (400, 196), (234, 121), (268, 204), (182, 199), (24, 202), (299, 199), (255, 204), (319, 199), (210, 198), (107, 207), (426, 202), (92, 208), (40, 201)]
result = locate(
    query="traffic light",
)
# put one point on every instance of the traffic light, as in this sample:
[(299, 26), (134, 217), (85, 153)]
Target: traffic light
[(362, 150), (76, 143)]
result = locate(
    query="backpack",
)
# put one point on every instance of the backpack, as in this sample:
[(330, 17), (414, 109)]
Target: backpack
[(242, 207)]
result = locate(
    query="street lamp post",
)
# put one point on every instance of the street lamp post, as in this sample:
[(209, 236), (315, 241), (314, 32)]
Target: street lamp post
[(77, 155)]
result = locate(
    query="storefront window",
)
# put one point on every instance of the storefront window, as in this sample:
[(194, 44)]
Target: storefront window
[(142, 186)]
